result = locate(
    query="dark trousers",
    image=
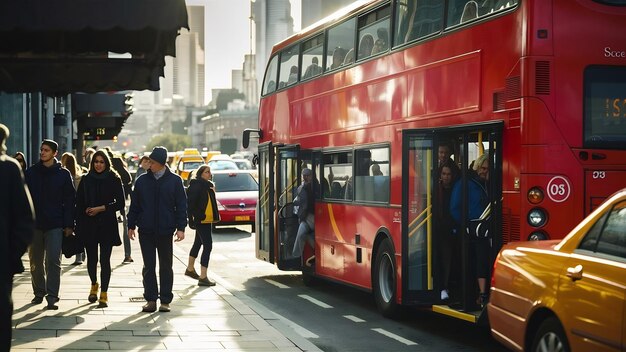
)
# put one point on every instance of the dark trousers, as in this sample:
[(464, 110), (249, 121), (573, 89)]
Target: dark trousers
[(204, 239), (151, 244), (105, 264), (6, 313)]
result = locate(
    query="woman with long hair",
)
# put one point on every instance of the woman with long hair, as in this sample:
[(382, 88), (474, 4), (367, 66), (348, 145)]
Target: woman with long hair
[(68, 161), (202, 212), (100, 195)]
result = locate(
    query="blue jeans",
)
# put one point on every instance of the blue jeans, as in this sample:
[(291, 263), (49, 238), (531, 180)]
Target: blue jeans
[(304, 234), (46, 280), (204, 239), (151, 244)]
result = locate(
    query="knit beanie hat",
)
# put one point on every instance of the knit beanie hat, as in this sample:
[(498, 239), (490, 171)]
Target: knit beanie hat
[(159, 154)]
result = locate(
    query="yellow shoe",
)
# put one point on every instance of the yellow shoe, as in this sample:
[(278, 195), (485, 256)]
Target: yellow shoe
[(103, 301), (93, 293)]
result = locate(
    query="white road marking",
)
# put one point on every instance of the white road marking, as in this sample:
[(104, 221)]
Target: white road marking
[(276, 283), (315, 301), (354, 319), (395, 337)]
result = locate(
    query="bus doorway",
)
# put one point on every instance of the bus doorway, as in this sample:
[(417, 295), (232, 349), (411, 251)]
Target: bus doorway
[(443, 258)]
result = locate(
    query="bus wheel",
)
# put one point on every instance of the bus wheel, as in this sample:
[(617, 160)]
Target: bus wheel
[(384, 280)]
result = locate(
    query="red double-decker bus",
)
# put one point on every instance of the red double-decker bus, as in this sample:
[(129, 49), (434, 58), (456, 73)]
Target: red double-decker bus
[(369, 97)]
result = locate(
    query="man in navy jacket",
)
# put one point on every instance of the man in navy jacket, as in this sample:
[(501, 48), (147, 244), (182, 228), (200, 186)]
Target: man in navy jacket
[(16, 232), (158, 206), (53, 194)]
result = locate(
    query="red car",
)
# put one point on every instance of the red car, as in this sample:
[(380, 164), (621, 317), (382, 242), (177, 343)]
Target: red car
[(237, 192)]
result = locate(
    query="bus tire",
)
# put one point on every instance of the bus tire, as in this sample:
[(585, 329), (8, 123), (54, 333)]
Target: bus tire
[(384, 280)]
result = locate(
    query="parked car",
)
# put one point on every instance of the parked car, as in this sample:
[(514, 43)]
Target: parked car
[(565, 295), (237, 193)]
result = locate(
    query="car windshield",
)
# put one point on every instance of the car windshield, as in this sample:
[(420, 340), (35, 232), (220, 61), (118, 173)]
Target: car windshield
[(243, 164), (235, 182), (191, 165), (222, 165)]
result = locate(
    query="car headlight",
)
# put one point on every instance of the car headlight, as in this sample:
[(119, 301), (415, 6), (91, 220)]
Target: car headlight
[(537, 217)]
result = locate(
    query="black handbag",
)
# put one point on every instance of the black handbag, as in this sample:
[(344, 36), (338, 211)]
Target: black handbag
[(72, 245)]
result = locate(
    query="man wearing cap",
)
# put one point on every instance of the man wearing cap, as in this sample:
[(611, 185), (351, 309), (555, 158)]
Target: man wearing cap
[(304, 203), (52, 190), (16, 232), (158, 207)]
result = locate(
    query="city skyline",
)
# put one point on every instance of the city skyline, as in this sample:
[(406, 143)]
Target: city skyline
[(227, 38)]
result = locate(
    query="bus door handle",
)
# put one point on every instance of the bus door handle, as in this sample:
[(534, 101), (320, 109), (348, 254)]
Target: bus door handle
[(575, 273)]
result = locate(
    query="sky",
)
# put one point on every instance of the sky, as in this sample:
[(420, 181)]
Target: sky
[(228, 38)]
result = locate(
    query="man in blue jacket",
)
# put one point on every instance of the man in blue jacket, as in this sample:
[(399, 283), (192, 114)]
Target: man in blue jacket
[(158, 206), (53, 194)]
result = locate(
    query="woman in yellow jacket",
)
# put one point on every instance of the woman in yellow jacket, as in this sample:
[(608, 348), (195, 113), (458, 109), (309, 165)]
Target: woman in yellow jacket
[(202, 212)]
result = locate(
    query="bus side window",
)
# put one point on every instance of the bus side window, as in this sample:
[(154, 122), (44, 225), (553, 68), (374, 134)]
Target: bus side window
[(340, 40), (416, 20), (269, 86)]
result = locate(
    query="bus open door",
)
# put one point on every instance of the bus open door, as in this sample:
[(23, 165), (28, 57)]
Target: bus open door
[(423, 261)]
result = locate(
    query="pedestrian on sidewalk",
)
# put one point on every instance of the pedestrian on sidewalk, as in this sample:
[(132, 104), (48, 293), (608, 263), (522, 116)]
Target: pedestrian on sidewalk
[(202, 212), (16, 232), (52, 191), (68, 161), (120, 166), (100, 196), (158, 207)]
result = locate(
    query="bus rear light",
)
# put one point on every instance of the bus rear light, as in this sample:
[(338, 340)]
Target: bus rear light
[(537, 217), (535, 195)]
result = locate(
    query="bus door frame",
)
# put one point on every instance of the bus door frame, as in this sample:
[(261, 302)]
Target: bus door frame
[(286, 222), (427, 294), (430, 294), (264, 235)]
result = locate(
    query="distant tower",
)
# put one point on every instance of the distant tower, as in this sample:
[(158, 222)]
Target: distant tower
[(273, 23), (315, 10)]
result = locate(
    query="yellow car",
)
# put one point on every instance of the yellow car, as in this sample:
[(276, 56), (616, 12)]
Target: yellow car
[(565, 295)]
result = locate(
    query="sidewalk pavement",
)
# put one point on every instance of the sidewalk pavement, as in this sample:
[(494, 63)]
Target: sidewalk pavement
[(202, 318)]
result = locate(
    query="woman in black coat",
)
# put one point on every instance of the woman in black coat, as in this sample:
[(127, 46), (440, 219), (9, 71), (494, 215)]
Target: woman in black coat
[(202, 212), (100, 195)]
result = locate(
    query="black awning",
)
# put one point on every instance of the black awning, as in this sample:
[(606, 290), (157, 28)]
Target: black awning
[(60, 46), (88, 76)]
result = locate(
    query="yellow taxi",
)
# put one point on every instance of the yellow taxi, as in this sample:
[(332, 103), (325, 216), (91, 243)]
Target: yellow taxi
[(185, 161), (565, 295)]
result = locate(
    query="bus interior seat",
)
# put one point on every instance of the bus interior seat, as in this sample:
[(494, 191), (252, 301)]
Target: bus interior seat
[(336, 190), (470, 11)]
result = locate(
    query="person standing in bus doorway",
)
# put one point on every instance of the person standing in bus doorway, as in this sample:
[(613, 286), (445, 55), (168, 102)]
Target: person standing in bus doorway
[(53, 195), (449, 241), (202, 213), (304, 207), (444, 151), (158, 206), (477, 202), (16, 232)]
